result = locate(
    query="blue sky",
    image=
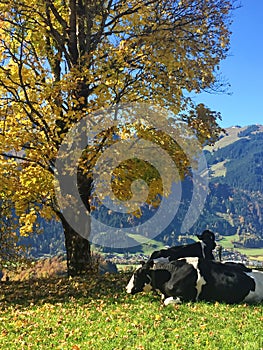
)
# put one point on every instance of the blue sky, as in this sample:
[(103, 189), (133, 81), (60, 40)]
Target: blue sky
[(243, 69)]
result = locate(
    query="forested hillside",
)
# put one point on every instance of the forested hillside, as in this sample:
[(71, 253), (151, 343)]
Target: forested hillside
[(234, 205), (47, 239), (242, 160)]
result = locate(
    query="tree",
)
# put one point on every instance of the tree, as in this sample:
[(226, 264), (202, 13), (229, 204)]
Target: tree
[(10, 251), (7, 239), (63, 60)]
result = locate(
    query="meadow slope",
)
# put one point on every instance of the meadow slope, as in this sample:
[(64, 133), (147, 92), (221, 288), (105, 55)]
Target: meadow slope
[(96, 313)]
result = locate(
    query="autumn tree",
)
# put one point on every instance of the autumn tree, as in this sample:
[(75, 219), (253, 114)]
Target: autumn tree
[(11, 252), (8, 238), (62, 61)]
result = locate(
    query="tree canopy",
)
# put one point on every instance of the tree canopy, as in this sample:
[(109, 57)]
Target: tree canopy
[(63, 60)]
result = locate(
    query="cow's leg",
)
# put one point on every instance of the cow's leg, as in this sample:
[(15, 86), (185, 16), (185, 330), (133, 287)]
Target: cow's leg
[(172, 301)]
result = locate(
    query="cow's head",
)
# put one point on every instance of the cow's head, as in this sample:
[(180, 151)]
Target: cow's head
[(208, 237), (141, 279)]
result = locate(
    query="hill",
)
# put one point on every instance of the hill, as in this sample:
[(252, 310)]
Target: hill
[(239, 163), (233, 209), (235, 203)]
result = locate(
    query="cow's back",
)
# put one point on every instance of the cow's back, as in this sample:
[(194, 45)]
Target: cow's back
[(224, 283)]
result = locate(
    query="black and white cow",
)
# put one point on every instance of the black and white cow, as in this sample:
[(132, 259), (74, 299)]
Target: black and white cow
[(193, 279), (202, 249)]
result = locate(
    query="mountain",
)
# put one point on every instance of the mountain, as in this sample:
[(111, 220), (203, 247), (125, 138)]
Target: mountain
[(233, 208), (234, 205), (235, 202), (237, 158)]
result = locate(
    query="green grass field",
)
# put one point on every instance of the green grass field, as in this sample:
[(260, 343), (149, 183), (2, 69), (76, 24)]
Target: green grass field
[(148, 245), (218, 169), (96, 313), (226, 242), (252, 253)]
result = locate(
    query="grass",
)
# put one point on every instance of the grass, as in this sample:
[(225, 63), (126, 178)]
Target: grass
[(218, 169), (148, 245), (231, 137), (252, 253), (96, 313), (226, 241)]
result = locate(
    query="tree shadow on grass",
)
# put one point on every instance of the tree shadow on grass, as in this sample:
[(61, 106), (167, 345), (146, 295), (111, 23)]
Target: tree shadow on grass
[(62, 289)]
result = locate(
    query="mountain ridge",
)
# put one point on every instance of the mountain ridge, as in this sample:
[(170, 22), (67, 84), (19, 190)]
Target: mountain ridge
[(235, 166), (234, 205)]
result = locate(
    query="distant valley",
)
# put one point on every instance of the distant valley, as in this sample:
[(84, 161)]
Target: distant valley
[(234, 205)]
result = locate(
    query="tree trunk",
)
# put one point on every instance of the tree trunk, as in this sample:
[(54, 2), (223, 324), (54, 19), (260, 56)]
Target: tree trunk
[(76, 225), (78, 251)]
